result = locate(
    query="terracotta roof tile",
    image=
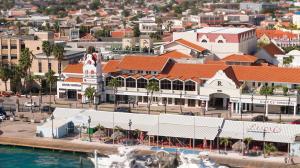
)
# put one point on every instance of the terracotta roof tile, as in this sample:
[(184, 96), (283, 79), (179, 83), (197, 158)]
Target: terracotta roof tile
[(240, 58), (190, 45), (146, 63), (175, 54), (71, 79), (273, 49), (273, 34), (73, 68), (111, 66)]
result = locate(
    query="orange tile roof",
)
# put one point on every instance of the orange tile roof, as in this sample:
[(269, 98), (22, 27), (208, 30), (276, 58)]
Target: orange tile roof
[(88, 37), (272, 49), (175, 54), (267, 74), (73, 68), (190, 45), (111, 66), (274, 34), (147, 63), (240, 58), (72, 79)]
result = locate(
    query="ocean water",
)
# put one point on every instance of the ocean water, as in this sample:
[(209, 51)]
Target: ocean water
[(19, 157)]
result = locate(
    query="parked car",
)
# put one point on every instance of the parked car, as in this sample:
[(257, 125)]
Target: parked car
[(47, 109), (188, 113), (2, 117), (123, 109), (29, 104), (260, 118), (295, 122)]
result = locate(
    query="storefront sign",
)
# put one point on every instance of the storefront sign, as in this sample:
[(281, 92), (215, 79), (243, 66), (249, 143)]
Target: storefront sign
[(261, 128), (69, 84)]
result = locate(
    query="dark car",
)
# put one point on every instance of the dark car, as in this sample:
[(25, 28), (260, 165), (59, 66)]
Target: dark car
[(123, 109), (295, 122), (260, 118), (188, 113), (47, 109)]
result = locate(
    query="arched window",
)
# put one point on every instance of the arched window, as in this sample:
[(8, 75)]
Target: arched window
[(177, 85), (141, 83), (204, 41), (130, 82), (120, 81), (107, 80), (190, 86), (220, 41), (165, 84)]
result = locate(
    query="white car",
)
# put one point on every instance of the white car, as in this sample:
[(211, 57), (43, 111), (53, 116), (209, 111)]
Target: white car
[(2, 117), (29, 104)]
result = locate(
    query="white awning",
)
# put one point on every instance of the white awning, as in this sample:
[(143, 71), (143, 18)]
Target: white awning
[(259, 131)]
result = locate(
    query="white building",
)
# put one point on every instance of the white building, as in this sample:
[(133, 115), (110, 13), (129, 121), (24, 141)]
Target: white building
[(295, 54), (222, 41)]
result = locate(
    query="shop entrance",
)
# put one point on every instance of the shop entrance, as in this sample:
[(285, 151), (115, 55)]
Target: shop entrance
[(219, 101)]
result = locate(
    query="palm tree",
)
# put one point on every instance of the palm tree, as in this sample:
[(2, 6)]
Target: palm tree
[(40, 79), (50, 78), (151, 88), (47, 49), (114, 84), (5, 74), (225, 142), (248, 141), (56, 26), (58, 52), (90, 94), (269, 148)]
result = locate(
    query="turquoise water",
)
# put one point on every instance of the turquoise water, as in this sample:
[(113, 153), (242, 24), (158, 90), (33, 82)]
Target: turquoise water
[(17, 157), (174, 150)]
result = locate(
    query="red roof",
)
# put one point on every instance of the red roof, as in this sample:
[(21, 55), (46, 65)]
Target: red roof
[(190, 45), (111, 66), (146, 63), (73, 68), (88, 37), (275, 34), (71, 79), (240, 58), (273, 49), (175, 54)]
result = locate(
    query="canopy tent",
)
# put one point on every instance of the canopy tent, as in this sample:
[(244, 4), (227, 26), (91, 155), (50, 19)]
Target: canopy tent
[(259, 131)]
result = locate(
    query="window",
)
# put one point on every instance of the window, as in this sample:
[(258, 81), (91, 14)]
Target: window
[(165, 84), (177, 85), (13, 56), (40, 66), (258, 84), (107, 80), (190, 86), (4, 56), (253, 84), (220, 41), (204, 41), (141, 83), (37, 48), (148, 72), (130, 82), (13, 47), (177, 101), (4, 47), (120, 81)]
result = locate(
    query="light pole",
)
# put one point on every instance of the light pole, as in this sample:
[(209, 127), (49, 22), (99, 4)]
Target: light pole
[(218, 140), (89, 121), (129, 124), (52, 118), (165, 104)]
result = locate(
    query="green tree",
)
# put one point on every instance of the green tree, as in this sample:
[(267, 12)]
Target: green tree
[(5, 75), (269, 148), (47, 48), (151, 87), (58, 52), (90, 94), (114, 84), (136, 31), (40, 79), (266, 90), (56, 26), (50, 79), (225, 142), (94, 5), (247, 142), (288, 60)]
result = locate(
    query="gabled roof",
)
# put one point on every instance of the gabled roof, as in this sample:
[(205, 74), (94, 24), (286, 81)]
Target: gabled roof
[(190, 45), (273, 49), (240, 58), (72, 79), (275, 34), (111, 66), (175, 54), (88, 37), (140, 62)]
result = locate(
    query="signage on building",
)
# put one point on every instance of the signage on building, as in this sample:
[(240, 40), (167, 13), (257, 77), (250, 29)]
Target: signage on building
[(71, 84), (263, 129), (262, 101)]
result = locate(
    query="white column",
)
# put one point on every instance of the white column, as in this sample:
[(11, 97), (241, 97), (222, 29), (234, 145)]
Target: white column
[(232, 104), (267, 109), (240, 107), (236, 107), (224, 102), (206, 105), (295, 109), (186, 103)]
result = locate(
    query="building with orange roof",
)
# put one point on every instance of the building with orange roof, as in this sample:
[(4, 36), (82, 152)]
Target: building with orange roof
[(209, 86), (268, 52), (281, 38)]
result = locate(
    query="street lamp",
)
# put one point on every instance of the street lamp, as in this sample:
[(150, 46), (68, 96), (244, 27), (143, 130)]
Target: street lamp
[(89, 121), (165, 104), (218, 140), (52, 118), (129, 124)]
